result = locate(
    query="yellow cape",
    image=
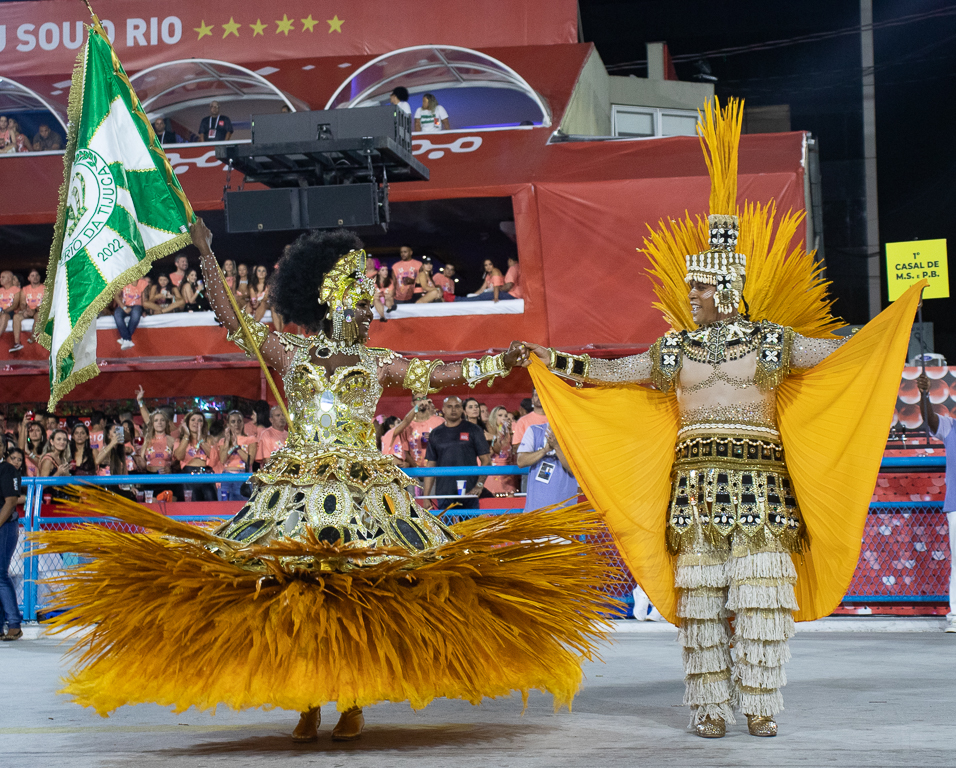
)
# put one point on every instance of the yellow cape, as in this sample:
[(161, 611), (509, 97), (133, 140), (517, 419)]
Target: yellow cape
[(833, 418)]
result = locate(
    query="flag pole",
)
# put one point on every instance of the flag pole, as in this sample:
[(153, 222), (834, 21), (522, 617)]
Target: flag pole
[(191, 215), (250, 342)]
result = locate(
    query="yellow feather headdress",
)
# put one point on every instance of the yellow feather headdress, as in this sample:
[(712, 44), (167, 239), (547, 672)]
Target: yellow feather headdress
[(784, 284)]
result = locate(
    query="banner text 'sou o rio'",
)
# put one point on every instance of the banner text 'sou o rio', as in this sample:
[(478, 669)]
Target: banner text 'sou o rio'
[(43, 38)]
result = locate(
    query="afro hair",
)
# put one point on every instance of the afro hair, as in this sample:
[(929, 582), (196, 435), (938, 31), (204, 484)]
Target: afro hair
[(294, 286)]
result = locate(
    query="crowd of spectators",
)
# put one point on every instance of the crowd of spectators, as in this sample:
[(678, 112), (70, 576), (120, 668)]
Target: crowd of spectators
[(160, 441), (13, 139), (468, 433), (191, 441)]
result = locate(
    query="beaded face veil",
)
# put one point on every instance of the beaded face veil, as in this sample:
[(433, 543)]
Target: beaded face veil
[(344, 286), (720, 265)]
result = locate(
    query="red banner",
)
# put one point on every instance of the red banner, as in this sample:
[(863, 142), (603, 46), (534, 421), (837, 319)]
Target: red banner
[(42, 38)]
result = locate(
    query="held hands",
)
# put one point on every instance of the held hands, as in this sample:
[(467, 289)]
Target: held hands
[(528, 349), (516, 355)]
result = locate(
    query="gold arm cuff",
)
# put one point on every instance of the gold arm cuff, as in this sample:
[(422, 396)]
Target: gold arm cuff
[(489, 367), (258, 331), (577, 367), (418, 377)]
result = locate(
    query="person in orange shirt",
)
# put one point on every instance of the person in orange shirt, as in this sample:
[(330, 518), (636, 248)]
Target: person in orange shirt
[(446, 280), (236, 453), (129, 311), (405, 273), (31, 297), (9, 301), (512, 284), (273, 438), (535, 417), (493, 286), (259, 421), (182, 266), (415, 428)]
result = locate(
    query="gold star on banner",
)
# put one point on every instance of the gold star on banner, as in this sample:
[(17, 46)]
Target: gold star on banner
[(231, 27), (258, 28), (203, 30), (335, 24), (308, 23), (284, 26)]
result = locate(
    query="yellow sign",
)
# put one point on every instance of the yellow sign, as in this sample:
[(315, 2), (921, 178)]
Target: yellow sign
[(909, 262)]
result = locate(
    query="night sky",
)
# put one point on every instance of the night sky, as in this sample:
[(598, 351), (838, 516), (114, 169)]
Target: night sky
[(821, 81)]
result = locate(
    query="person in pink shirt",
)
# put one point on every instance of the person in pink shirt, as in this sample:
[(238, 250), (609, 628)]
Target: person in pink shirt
[(512, 284), (129, 311), (236, 454), (535, 417), (415, 428), (404, 274), (384, 292), (182, 266), (259, 421), (9, 302), (273, 438), (31, 297), (446, 280), (493, 286), (498, 433)]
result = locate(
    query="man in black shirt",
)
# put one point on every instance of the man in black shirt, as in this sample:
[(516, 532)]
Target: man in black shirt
[(10, 490), (456, 443), (164, 135), (215, 127)]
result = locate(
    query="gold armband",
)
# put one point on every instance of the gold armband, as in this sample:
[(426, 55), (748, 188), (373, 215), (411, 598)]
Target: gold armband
[(258, 332), (488, 367), (570, 366), (418, 377)]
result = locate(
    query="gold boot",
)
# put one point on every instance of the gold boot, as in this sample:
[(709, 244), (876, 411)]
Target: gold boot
[(308, 727), (350, 725), (761, 726), (711, 728)]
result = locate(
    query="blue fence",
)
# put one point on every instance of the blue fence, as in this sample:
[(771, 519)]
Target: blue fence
[(905, 544)]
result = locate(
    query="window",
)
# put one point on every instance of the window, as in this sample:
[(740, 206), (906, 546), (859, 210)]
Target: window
[(648, 122)]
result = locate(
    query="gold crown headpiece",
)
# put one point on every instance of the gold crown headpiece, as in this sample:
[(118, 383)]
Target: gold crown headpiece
[(721, 265), (344, 286)]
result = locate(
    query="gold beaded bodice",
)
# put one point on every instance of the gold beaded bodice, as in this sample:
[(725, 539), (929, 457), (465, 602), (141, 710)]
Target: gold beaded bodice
[(333, 410)]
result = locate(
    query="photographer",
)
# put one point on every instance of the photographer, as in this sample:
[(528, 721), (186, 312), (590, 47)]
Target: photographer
[(11, 494)]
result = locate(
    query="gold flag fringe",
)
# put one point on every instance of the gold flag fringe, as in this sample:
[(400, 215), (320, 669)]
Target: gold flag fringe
[(181, 618)]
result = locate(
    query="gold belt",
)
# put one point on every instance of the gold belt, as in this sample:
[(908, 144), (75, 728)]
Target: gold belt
[(707, 449)]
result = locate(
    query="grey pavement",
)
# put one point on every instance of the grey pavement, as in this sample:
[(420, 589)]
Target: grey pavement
[(855, 698)]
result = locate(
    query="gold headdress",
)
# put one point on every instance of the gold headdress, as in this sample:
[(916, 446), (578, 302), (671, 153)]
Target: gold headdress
[(721, 265), (784, 284), (343, 287)]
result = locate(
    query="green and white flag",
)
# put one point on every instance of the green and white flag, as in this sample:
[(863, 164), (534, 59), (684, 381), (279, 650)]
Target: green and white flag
[(121, 208)]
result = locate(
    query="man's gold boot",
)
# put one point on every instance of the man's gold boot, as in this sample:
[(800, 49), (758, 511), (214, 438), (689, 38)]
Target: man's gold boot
[(711, 728), (761, 726), (350, 725), (308, 727)]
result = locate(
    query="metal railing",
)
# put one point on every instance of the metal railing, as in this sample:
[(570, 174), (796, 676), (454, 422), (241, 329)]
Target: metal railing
[(28, 572), (904, 558)]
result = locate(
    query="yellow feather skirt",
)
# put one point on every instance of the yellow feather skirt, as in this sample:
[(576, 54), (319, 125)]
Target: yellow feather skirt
[(174, 616)]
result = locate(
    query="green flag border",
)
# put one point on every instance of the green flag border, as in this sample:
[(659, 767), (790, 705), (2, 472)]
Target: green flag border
[(74, 112)]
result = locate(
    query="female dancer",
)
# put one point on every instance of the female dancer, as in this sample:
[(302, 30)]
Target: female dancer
[(331, 583)]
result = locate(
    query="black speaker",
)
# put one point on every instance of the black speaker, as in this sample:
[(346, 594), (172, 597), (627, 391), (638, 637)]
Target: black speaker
[(357, 123), (271, 210), (263, 210)]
